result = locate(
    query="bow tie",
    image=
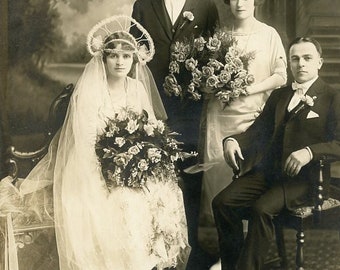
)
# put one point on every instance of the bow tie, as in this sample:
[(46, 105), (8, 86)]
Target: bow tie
[(299, 86), (300, 89)]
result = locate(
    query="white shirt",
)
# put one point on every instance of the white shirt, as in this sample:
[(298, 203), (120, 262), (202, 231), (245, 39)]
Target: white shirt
[(296, 97), (174, 8)]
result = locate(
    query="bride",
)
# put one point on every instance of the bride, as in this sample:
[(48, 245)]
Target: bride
[(122, 228)]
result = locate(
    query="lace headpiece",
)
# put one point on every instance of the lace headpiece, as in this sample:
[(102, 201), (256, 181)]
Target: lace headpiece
[(139, 38)]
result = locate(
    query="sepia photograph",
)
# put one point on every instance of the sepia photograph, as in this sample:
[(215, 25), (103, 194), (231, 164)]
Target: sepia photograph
[(169, 134)]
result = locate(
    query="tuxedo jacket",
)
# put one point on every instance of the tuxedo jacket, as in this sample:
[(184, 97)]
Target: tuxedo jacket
[(183, 116), (276, 133), (153, 16)]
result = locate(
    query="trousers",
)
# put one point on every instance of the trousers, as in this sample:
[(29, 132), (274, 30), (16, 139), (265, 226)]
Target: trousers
[(255, 198)]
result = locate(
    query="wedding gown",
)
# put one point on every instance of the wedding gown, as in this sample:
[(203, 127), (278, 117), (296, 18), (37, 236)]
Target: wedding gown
[(122, 229)]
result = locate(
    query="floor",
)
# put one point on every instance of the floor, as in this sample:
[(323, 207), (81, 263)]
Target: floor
[(322, 248)]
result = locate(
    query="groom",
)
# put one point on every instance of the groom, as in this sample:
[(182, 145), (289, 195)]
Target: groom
[(299, 125), (169, 21)]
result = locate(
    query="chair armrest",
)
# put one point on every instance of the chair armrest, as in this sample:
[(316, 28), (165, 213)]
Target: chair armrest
[(323, 179), (14, 156), (319, 198), (56, 116)]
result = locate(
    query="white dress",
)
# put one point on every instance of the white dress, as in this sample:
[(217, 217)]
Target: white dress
[(241, 113), (125, 229)]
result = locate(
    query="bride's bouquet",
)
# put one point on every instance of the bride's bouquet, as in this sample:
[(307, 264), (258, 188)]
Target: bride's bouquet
[(133, 148), (213, 65)]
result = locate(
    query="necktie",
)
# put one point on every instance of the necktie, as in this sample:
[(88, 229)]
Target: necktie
[(299, 92)]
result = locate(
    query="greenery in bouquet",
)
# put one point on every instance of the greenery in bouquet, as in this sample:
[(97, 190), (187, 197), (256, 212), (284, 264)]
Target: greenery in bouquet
[(213, 65), (133, 149)]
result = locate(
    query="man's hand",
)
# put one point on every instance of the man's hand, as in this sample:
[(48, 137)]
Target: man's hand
[(296, 161), (231, 151)]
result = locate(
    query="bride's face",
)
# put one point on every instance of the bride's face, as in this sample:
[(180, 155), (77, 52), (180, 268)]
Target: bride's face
[(242, 9), (119, 63)]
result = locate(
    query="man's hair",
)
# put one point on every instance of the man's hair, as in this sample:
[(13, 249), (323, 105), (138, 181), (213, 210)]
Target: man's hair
[(256, 2), (307, 39)]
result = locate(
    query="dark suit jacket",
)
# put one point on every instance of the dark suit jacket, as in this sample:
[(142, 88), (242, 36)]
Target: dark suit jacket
[(152, 14), (275, 134)]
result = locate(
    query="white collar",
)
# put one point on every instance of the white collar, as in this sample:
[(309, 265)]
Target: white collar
[(308, 84)]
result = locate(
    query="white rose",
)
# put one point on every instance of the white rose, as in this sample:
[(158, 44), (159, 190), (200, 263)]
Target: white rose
[(133, 150), (120, 141), (143, 165), (160, 126), (132, 126), (149, 129), (308, 100), (154, 155), (188, 15)]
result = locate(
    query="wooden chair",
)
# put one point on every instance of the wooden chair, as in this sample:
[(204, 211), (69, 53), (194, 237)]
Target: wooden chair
[(325, 214), (17, 229), (56, 117)]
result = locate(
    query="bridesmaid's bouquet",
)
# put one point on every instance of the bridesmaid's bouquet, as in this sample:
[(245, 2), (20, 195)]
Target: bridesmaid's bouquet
[(132, 149), (213, 65)]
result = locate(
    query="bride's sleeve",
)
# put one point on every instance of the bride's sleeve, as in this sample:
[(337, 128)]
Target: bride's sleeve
[(278, 59)]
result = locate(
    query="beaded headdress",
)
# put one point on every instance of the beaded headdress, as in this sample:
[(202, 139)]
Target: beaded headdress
[(139, 38)]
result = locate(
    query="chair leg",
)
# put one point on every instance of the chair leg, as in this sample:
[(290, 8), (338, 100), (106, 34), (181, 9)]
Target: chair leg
[(300, 240), (281, 248)]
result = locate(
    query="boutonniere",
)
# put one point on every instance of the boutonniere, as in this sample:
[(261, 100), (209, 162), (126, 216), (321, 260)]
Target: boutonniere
[(306, 101), (188, 17)]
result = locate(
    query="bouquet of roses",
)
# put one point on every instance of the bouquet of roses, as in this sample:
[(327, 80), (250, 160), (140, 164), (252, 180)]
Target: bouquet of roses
[(132, 149), (214, 66)]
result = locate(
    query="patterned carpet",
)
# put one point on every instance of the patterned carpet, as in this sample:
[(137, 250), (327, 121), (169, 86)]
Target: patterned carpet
[(322, 248)]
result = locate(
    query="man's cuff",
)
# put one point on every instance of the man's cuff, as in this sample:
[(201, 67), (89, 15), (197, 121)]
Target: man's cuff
[(310, 152)]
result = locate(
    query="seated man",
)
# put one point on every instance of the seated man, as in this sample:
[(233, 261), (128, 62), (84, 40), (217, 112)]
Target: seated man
[(299, 125)]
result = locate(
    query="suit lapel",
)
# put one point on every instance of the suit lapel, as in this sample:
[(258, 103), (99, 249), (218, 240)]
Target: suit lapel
[(163, 16), (314, 90), (181, 22), (283, 104)]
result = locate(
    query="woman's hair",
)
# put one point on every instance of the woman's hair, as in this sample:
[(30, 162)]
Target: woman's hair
[(307, 39), (127, 42), (256, 2), (122, 38)]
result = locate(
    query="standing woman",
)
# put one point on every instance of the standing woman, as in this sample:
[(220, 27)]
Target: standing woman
[(269, 70)]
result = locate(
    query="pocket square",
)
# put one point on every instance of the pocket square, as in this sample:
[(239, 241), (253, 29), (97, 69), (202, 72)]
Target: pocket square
[(312, 114)]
